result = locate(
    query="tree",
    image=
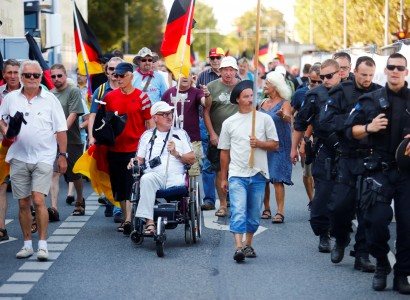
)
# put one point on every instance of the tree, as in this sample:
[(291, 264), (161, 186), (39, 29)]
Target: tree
[(365, 22), (146, 23)]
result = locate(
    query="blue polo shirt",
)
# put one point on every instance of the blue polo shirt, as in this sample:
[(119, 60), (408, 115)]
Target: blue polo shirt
[(298, 98), (107, 89), (156, 88)]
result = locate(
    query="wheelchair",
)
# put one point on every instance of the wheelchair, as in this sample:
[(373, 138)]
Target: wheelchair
[(179, 205)]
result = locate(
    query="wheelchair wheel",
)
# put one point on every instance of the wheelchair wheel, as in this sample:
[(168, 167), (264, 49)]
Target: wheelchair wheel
[(136, 237), (198, 227), (192, 220), (188, 234), (160, 237)]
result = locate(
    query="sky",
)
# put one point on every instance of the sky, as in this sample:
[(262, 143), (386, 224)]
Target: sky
[(226, 11)]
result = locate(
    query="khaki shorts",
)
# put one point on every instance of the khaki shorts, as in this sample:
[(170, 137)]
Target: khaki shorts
[(195, 169), (307, 169), (27, 178)]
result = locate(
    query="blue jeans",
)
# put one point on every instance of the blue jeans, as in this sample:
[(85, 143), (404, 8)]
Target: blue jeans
[(246, 195), (208, 176)]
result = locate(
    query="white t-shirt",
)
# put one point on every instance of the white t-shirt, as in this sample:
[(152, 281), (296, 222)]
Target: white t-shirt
[(36, 141), (182, 145), (235, 134)]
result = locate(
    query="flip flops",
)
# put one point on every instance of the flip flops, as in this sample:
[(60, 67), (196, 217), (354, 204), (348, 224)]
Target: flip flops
[(278, 219), (221, 212), (266, 214)]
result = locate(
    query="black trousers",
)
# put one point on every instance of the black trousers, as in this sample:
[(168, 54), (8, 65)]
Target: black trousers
[(343, 205), (377, 217), (319, 213)]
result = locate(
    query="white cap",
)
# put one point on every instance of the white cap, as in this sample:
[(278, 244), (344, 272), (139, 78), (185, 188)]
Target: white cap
[(281, 70), (229, 61), (160, 106)]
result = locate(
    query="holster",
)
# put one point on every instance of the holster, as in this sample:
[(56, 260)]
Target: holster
[(308, 151), (372, 191)]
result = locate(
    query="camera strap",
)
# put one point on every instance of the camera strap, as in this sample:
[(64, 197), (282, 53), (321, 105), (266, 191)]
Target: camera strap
[(152, 141)]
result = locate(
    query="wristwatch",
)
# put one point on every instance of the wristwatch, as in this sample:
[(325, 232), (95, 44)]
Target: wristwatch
[(65, 154), (179, 156)]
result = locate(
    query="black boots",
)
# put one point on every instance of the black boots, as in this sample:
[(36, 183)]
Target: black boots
[(401, 284), (363, 264), (324, 243), (338, 251), (383, 268)]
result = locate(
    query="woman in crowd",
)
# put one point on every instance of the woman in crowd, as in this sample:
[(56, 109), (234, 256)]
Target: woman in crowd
[(280, 167)]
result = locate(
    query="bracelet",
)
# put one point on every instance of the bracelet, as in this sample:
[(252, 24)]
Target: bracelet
[(207, 95), (365, 128)]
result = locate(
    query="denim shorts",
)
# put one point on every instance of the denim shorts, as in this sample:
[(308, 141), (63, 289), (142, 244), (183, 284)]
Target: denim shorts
[(246, 195)]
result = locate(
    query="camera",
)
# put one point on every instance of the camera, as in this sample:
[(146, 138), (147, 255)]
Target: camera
[(155, 162)]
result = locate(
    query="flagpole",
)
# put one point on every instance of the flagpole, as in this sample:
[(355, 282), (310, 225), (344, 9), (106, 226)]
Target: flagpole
[(191, 7), (255, 81), (81, 43)]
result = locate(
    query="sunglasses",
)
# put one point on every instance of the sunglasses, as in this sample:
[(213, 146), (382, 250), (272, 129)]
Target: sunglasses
[(28, 75), (165, 115), (328, 76), (111, 69), (146, 60), (120, 75), (315, 81), (57, 76), (215, 57), (392, 67)]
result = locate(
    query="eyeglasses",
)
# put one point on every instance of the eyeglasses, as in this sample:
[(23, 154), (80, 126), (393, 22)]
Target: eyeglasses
[(392, 67), (111, 69), (215, 57), (165, 115), (58, 75), (327, 76), (315, 81), (345, 68), (146, 60), (28, 75), (120, 75)]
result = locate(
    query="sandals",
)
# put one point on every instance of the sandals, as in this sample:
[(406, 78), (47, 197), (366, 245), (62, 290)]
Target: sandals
[(127, 228), (79, 209), (4, 236), (53, 215), (278, 219), (221, 212), (266, 214), (149, 229)]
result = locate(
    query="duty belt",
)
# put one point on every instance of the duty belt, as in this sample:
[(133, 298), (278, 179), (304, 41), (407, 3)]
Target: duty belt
[(389, 165), (358, 153)]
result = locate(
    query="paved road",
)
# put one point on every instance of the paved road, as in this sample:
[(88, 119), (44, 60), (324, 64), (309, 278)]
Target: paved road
[(90, 260)]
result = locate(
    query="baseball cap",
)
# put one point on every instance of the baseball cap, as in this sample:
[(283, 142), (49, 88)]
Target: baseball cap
[(229, 61), (216, 52), (160, 106), (123, 68), (106, 57)]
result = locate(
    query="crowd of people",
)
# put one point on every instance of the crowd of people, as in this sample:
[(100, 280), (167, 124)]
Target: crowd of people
[(344, 128)]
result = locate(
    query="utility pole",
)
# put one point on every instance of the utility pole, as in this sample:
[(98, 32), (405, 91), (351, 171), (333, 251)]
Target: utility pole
[(344, 25), (386, 23), (126, 40)]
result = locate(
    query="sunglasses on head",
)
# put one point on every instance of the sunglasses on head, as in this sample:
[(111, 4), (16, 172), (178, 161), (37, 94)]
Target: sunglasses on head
[(146, 59), (215, 57), (328, 76), (316, 81), (111, 69), (57, 76), (165, 115), (392, 67), (28, 75), (119, 75)]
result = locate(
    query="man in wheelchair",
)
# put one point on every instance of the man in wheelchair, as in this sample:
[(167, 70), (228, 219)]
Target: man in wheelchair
[(164, 150)]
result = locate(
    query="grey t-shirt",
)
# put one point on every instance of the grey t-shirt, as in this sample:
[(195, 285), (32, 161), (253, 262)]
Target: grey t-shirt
[(70, 99)]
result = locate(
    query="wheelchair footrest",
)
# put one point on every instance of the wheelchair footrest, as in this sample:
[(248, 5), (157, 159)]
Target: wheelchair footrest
[(167, 210)]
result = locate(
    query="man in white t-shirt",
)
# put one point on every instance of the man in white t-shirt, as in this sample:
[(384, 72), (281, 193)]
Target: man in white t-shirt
[(33, 152), (154, 147), (246, 184)]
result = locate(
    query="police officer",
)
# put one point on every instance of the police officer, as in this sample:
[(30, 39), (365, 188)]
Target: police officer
[(345, 62), (349, 162), (384, 117), (309, 114)]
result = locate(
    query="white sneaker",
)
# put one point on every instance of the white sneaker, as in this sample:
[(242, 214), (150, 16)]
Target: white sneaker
[(42, 254), (25, 252)]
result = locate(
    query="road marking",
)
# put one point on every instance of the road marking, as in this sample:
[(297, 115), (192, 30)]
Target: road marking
[(219, 223), (57, 242)]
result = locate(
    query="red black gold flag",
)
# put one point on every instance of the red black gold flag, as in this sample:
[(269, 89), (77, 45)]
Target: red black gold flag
[(34, 53), (264, 53), (91, 46), (177, 37)]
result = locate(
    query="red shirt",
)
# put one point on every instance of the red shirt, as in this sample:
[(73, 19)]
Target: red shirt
[(137, 107)]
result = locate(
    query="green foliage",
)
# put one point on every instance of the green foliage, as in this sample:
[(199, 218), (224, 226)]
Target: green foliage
[(146, 22), (365, 21)]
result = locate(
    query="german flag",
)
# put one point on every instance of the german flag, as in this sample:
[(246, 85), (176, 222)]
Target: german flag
[(34, 53), (94, 165), (264, 54), (177, 37), (4, 167), (91, 47)]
